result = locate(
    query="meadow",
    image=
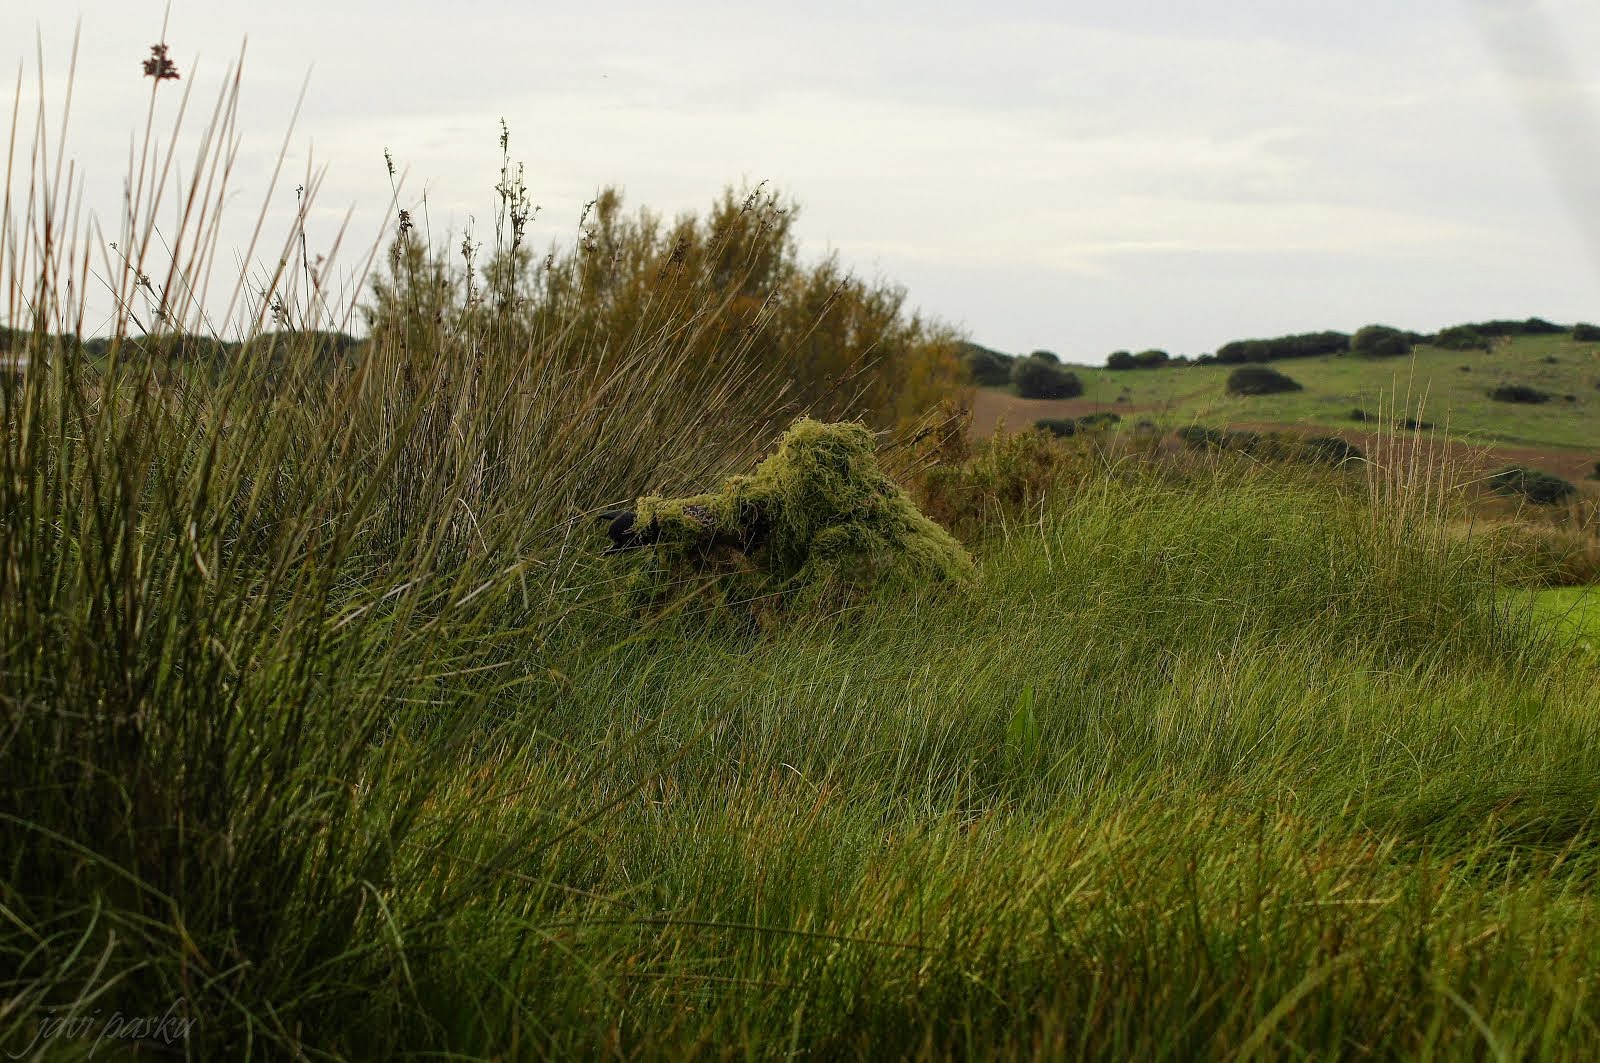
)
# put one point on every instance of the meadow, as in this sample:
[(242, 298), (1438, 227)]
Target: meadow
[(1450, 388), (329, 727)]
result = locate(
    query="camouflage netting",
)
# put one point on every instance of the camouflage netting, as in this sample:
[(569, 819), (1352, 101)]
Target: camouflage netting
[(820, 511)]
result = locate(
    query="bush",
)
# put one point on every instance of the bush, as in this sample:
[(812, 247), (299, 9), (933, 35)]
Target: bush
[(1519, 393), (1199, 437), (1533, 485), (1381, 341), (1260, 380), (1461, 338), (1331, 449), (1584, 332), (1047, 356), (1151, 359), (1301, 345), (1064, 427), (1358, 414), (987, 368), (1037, 378), (1120, 360), (1533, 326)]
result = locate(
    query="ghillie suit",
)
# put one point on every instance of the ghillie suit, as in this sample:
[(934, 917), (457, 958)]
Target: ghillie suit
[(817, 518)]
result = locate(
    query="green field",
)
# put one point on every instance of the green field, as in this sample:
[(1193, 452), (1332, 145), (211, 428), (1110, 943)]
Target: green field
[(336, 723), (1575, 611), (1433, 381)]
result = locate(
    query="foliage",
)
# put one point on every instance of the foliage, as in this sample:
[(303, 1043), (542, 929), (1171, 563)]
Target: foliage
[(1301, 345), (1152, 359), (1066, 427), (1005, 476), (727, 289), (1260, 380), (1461, 338), (1121, 360), (1037, 378), (1048, 356), (1532, 485), (1519, 393), (1583, 332), (1382, 341), (985, 367), (1533, 326), (1332, 449)]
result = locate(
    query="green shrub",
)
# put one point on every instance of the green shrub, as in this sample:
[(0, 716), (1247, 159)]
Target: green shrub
[(1037, 378), (987, 368), (1461, 338), (1064, 427), (1301, 345), (1534, 485), (1200, 437), (1381, 341), (1151, 359), (1519, 393), (1331, 449), (1048, 356), (1120, 360), (1260, 380), (1584, 332)]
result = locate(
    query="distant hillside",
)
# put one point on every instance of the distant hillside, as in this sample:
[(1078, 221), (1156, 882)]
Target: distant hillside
[(1449, 388)]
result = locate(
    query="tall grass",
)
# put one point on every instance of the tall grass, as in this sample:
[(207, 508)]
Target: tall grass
[(322, 723)]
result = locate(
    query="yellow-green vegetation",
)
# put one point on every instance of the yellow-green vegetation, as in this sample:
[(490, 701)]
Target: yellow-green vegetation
[(325, 729), (1452, 387), (1575, 611), (828, 517)]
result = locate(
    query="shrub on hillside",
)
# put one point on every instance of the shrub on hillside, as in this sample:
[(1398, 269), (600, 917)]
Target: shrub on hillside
[(1519, 393), (1037, 378), (987, 368), (1065, 427), (1048, 356), (1381, 341), (1331, 449), (1151, 359), (1461, 338), (1533, 326), (1534, 485), (1301, 345), (1120, 360), (1584, 332), (1260, 380)]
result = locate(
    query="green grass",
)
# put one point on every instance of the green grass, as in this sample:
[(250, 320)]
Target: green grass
[(1433, 378), (1575, 610), (324, 725)]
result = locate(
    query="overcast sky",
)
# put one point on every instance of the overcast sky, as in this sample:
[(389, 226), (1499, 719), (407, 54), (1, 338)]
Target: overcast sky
[(1071, 175)]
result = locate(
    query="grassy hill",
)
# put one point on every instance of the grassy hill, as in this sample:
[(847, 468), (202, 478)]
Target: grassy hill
[(1450, 388)]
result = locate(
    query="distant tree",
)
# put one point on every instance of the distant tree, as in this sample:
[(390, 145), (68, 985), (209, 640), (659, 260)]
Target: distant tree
[(1037, 378), (1048, 356), (1584, 332), (1120, 360), (1151, 359)]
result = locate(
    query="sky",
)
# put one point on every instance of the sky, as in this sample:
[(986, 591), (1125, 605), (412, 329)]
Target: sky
[(1081, 177)]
